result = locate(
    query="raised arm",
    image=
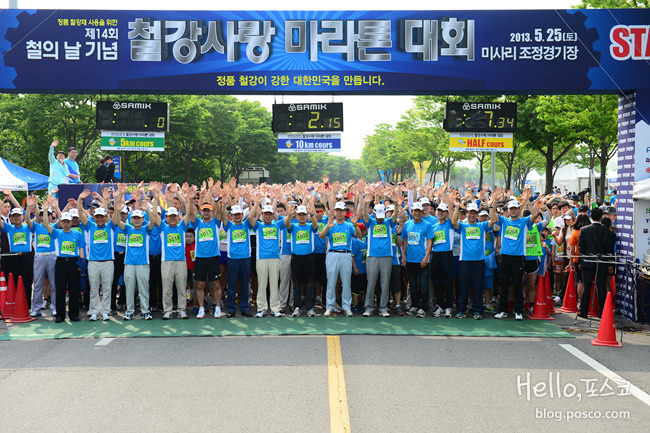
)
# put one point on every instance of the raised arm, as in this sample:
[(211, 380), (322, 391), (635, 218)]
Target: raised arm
[(119, 204), (83, 217)]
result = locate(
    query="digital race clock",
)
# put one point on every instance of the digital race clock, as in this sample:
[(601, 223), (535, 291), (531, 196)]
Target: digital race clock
[(133, 116), (324, 117), (480, 117)]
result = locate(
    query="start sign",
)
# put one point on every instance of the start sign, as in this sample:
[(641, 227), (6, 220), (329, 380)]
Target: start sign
[(480, 141)]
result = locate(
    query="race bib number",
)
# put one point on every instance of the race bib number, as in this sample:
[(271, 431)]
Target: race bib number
[(223, 236), (560, 249), (68, 248), (511, 233), (193, 255), (20, 238), (393, 241), (239, 236), (174, 240), (100, 237), (206, 234), (269, 233), (43, 241), (380, 231), (472, 233), (121, 240), (339, 239), (488, 252), (414, 238), (439, 237), (531, 241), (136, 240), (77, 229), (321, 226), (302, 237), (364, 254)]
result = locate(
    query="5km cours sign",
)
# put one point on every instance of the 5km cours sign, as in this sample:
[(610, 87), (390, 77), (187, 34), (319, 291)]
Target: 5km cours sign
[(138, 141)]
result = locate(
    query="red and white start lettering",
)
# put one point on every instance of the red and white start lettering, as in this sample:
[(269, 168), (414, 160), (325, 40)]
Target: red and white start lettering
[(630, 42)]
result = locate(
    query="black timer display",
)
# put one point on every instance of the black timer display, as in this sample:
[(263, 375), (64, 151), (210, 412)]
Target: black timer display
[(480, 117), (133, 116), (324, 117)]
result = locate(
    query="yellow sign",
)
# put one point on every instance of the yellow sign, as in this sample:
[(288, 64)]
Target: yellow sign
[(421, 169), (480, 141)]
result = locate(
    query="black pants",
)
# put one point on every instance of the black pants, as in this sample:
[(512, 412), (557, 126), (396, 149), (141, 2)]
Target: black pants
[(22, 266), (588, 274), (442, 271), (511, 267), (66, 273), (155, 281), (418, 276), (302, 274), (118, 271)]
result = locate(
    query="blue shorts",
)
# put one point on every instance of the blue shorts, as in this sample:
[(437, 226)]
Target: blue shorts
[(488, 282)]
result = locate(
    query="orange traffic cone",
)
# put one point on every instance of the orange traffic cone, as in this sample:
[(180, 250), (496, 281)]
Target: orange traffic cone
[(612, 286), (594, 308), (539, 310), (21, 313), (570, 303), (3, 293), (549, 296), (606, 331), (10, 300)]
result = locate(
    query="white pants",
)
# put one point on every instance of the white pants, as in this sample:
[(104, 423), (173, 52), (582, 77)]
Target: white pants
[(173, 271), (285, 292), (43, 266), (136, 274), (100, 273), (268, 271)]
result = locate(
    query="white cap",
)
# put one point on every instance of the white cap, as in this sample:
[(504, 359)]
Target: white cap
[(268, 208), (416, 206), (559, 222), (390, 208), (124, 209), (472, 207), (301, 209), (65, 216), (424, 200), (137, 213), (483, 212), (443, 207), (74, 212), (513, 203), (158, 209), (100, 211), (172, 211), (380, 211), (16, 211), (236, 209), (340, 205)]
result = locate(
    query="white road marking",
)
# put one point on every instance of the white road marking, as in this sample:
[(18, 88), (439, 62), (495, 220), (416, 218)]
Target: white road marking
[(104, 341), (600, 368)]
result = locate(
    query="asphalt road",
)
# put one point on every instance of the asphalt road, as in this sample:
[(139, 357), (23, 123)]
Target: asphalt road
[(280, 384)]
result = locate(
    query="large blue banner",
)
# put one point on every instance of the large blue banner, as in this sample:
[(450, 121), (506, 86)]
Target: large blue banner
[(344, 52)]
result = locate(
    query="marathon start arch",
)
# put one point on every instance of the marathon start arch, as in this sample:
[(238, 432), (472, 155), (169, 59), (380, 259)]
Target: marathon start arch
[(350, 52)]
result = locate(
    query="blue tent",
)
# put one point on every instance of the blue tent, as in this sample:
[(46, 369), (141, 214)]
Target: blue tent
[(16, 178)]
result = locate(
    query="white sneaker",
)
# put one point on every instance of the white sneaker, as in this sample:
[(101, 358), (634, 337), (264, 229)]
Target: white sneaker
[(217, 313), (277, 314), (519, 316), (411, 311), (105, 316), (93, 317), (201, 313), (501, 315), (296, 312), (448, 313), (337, 308), (438, 312), (384, 313), (328, 312), (367, 313), (167, 315), (311, 313), (349, 313), (182, 314), (260, 314), (421, 313)]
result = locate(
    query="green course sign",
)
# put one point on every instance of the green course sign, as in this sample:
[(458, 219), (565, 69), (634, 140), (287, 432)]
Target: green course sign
[(134, 141)]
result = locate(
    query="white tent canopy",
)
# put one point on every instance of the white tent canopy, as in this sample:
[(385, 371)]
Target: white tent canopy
[(16, 178), (641, 190)]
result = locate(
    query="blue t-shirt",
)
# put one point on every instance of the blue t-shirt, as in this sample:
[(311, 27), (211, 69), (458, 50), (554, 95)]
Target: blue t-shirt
[(443, 236), (173, 241), (68, 244), (340, 236), (380, 237), (268, 239), (472, 240), (320, 245), (513, 235), (20, 238), (302, 238), (207, 238), (285, 237), (43, 240), (359, 249), (137, 244), (155, 243), (239, 243), (73, 168), (100, 241), (416, 235)]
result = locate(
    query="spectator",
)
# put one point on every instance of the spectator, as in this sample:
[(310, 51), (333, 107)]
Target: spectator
[(73, 167), (106, 170)]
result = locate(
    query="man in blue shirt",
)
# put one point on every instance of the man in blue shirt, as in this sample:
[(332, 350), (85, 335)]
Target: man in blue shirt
[(472, 256), (338, 261), (73, 167), (268, 258), (284, 289), (21, 262), (442, 260), (302, 257), (44, 263), (59, 172), (100, 257), (239, 259), (513, 250), (416, 249)]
